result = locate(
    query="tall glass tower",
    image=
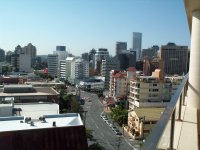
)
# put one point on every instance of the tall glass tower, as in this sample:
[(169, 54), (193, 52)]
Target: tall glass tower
[(137, 43)]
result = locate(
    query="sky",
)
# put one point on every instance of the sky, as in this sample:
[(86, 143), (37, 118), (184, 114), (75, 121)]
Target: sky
[(81, 25)]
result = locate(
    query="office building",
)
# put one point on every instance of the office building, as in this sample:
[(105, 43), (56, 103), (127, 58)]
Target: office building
[(85, 56), (61, 52), (60, 48), (52, 61), (100, 55), (150, 52), (25, 62), (2, 55), (92, 58), (137, 44), (30, 50), (120, 46), (8, 56), (175, 59), (127, 59)]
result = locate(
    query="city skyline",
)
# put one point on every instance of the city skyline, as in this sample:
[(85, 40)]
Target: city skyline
[(81, 26)]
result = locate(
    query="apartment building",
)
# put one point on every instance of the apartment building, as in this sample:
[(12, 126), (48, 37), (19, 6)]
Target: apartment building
[(148, 97), (107, 65), (119, 82)]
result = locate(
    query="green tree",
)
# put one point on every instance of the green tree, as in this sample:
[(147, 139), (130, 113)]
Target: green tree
[(75, 106), (120, 115), (96, 146), (89, 134)]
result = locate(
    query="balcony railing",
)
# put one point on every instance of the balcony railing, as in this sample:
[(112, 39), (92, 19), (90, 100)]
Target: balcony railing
[(177, 101)]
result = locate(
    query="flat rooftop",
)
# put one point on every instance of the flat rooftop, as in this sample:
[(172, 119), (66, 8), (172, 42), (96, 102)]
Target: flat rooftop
[(15, 123), (149, 113), (38, 91)]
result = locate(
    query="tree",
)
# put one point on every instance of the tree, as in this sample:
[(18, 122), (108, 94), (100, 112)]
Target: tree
[(75, 106), (96, 146), (119, 114), (89, 135)]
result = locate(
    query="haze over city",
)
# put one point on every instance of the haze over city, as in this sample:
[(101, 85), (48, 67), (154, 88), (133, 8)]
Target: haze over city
[(83, 25)]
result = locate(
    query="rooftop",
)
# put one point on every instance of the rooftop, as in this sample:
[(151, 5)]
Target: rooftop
[(18, 123), (149, 113)]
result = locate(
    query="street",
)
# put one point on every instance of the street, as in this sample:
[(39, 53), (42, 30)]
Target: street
[(101, 131)]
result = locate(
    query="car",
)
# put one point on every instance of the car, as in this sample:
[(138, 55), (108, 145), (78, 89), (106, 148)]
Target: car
[(105, 119), (108, 122), (117, 132), (103, 116), (110, 125), (114, 128)]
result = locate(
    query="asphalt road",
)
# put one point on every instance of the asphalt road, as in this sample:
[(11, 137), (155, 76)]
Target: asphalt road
[(101, 131)]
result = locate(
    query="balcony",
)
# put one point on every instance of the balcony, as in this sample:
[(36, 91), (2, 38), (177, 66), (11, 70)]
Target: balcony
[(178, 126)]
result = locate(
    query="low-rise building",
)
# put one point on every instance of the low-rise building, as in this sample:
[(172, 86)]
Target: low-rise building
[(63, 131), (27, 93), (142, 120), (92, 84)]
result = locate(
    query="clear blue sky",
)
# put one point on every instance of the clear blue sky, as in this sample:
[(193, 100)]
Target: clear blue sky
[(81, 25)]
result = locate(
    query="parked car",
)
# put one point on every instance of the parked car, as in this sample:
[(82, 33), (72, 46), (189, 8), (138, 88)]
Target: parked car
[(103, 116), (105, 119), (117, 132), (110, 125), (108, 122), (114, 128)]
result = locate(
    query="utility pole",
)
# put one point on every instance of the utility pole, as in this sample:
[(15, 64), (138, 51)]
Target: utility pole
[(118, 143)]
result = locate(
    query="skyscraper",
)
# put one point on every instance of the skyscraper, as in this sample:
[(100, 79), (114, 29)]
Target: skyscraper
[(61, 52), (60, 48), (175, 59), (52, 60), (30, 50), (137, 43), (100, 55), (120, 46)]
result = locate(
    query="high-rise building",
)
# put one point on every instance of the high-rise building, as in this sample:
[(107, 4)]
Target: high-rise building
[(127, 59), (30, 50), (8, 56), (52, 61), (15, 58), (100, 55), (92, 58), (150, 52), (137, 43), (2, 55), (120, 46), (76, 69), (108, 64), (60, 48), (25, 62), (175, 59), (85, 56), (61, 52)]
